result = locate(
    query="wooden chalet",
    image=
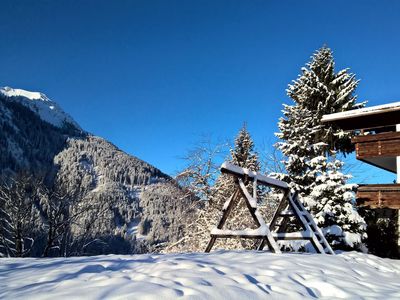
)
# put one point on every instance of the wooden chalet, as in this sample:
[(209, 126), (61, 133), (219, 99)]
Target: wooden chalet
[(377, 143)]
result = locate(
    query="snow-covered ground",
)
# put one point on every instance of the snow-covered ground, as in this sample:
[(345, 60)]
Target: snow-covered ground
[(219, 275)]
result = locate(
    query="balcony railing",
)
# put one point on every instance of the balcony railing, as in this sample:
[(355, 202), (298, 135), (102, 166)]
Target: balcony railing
[(379, 196), (379, 149)]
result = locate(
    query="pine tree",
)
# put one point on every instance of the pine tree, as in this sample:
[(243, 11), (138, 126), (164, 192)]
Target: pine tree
[(243, 155), (332, 203), (311, 147)]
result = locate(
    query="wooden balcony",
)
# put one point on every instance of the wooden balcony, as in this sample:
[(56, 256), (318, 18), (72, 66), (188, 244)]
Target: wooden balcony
[(379, 149), (379, 196)]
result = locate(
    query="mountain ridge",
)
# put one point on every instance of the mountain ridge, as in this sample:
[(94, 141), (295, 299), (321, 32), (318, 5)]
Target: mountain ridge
[(40, 104)]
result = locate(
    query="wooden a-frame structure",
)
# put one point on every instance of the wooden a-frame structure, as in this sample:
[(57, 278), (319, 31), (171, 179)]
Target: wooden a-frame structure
[(288, 209)]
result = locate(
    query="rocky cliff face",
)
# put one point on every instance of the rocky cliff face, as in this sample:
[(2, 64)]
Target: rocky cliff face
[(138, 208)]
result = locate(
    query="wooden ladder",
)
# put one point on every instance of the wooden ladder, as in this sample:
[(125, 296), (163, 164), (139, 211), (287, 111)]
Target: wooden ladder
[(289, 208)]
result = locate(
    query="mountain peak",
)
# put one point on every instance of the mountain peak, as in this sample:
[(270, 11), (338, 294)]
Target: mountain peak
[(48, 110), (10, 92)]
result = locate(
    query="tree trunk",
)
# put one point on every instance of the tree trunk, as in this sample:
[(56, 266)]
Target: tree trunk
[(18, 241)]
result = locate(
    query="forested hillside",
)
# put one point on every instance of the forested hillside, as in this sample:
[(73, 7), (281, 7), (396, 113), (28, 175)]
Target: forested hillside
[(86, 196)]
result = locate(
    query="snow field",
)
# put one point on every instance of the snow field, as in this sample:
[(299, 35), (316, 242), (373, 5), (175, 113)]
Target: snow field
[(219, 275)]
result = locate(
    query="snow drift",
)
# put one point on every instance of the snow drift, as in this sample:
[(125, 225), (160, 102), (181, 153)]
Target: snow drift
[(219, 275)]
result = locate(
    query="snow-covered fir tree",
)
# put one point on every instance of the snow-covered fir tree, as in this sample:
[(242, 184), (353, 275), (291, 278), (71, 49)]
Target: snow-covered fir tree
[(244, 155), (311, 147), (332, 203)]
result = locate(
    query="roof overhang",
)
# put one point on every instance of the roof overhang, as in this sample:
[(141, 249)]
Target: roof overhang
[(385, 163), (387, 115)]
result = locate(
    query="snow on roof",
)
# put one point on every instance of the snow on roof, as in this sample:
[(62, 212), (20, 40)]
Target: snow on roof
[(378, 109)]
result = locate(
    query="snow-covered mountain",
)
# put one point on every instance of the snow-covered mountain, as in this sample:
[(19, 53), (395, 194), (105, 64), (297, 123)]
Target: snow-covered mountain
[(142, 208), (45, 108)]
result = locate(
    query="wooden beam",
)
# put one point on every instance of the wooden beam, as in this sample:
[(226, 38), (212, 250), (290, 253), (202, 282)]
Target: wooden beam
[(379, 187), (246, 174), (378, 145), (376, 137), (300, 235), (241, 236), (379, 196), (246, 196), (282, 206), (225, 215)]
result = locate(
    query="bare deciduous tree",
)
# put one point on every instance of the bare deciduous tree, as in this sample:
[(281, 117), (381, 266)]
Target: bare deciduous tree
[(202, 168), (17, 215)]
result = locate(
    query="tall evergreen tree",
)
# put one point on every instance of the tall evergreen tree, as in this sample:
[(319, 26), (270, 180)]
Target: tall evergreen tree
[(243, 155), (310, 147)]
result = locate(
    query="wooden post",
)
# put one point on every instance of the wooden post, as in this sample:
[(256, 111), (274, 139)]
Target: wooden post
[(281, 207), (225, 215)]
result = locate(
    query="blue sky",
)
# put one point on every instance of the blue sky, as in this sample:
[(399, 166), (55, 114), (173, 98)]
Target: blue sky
[(153, 76)]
